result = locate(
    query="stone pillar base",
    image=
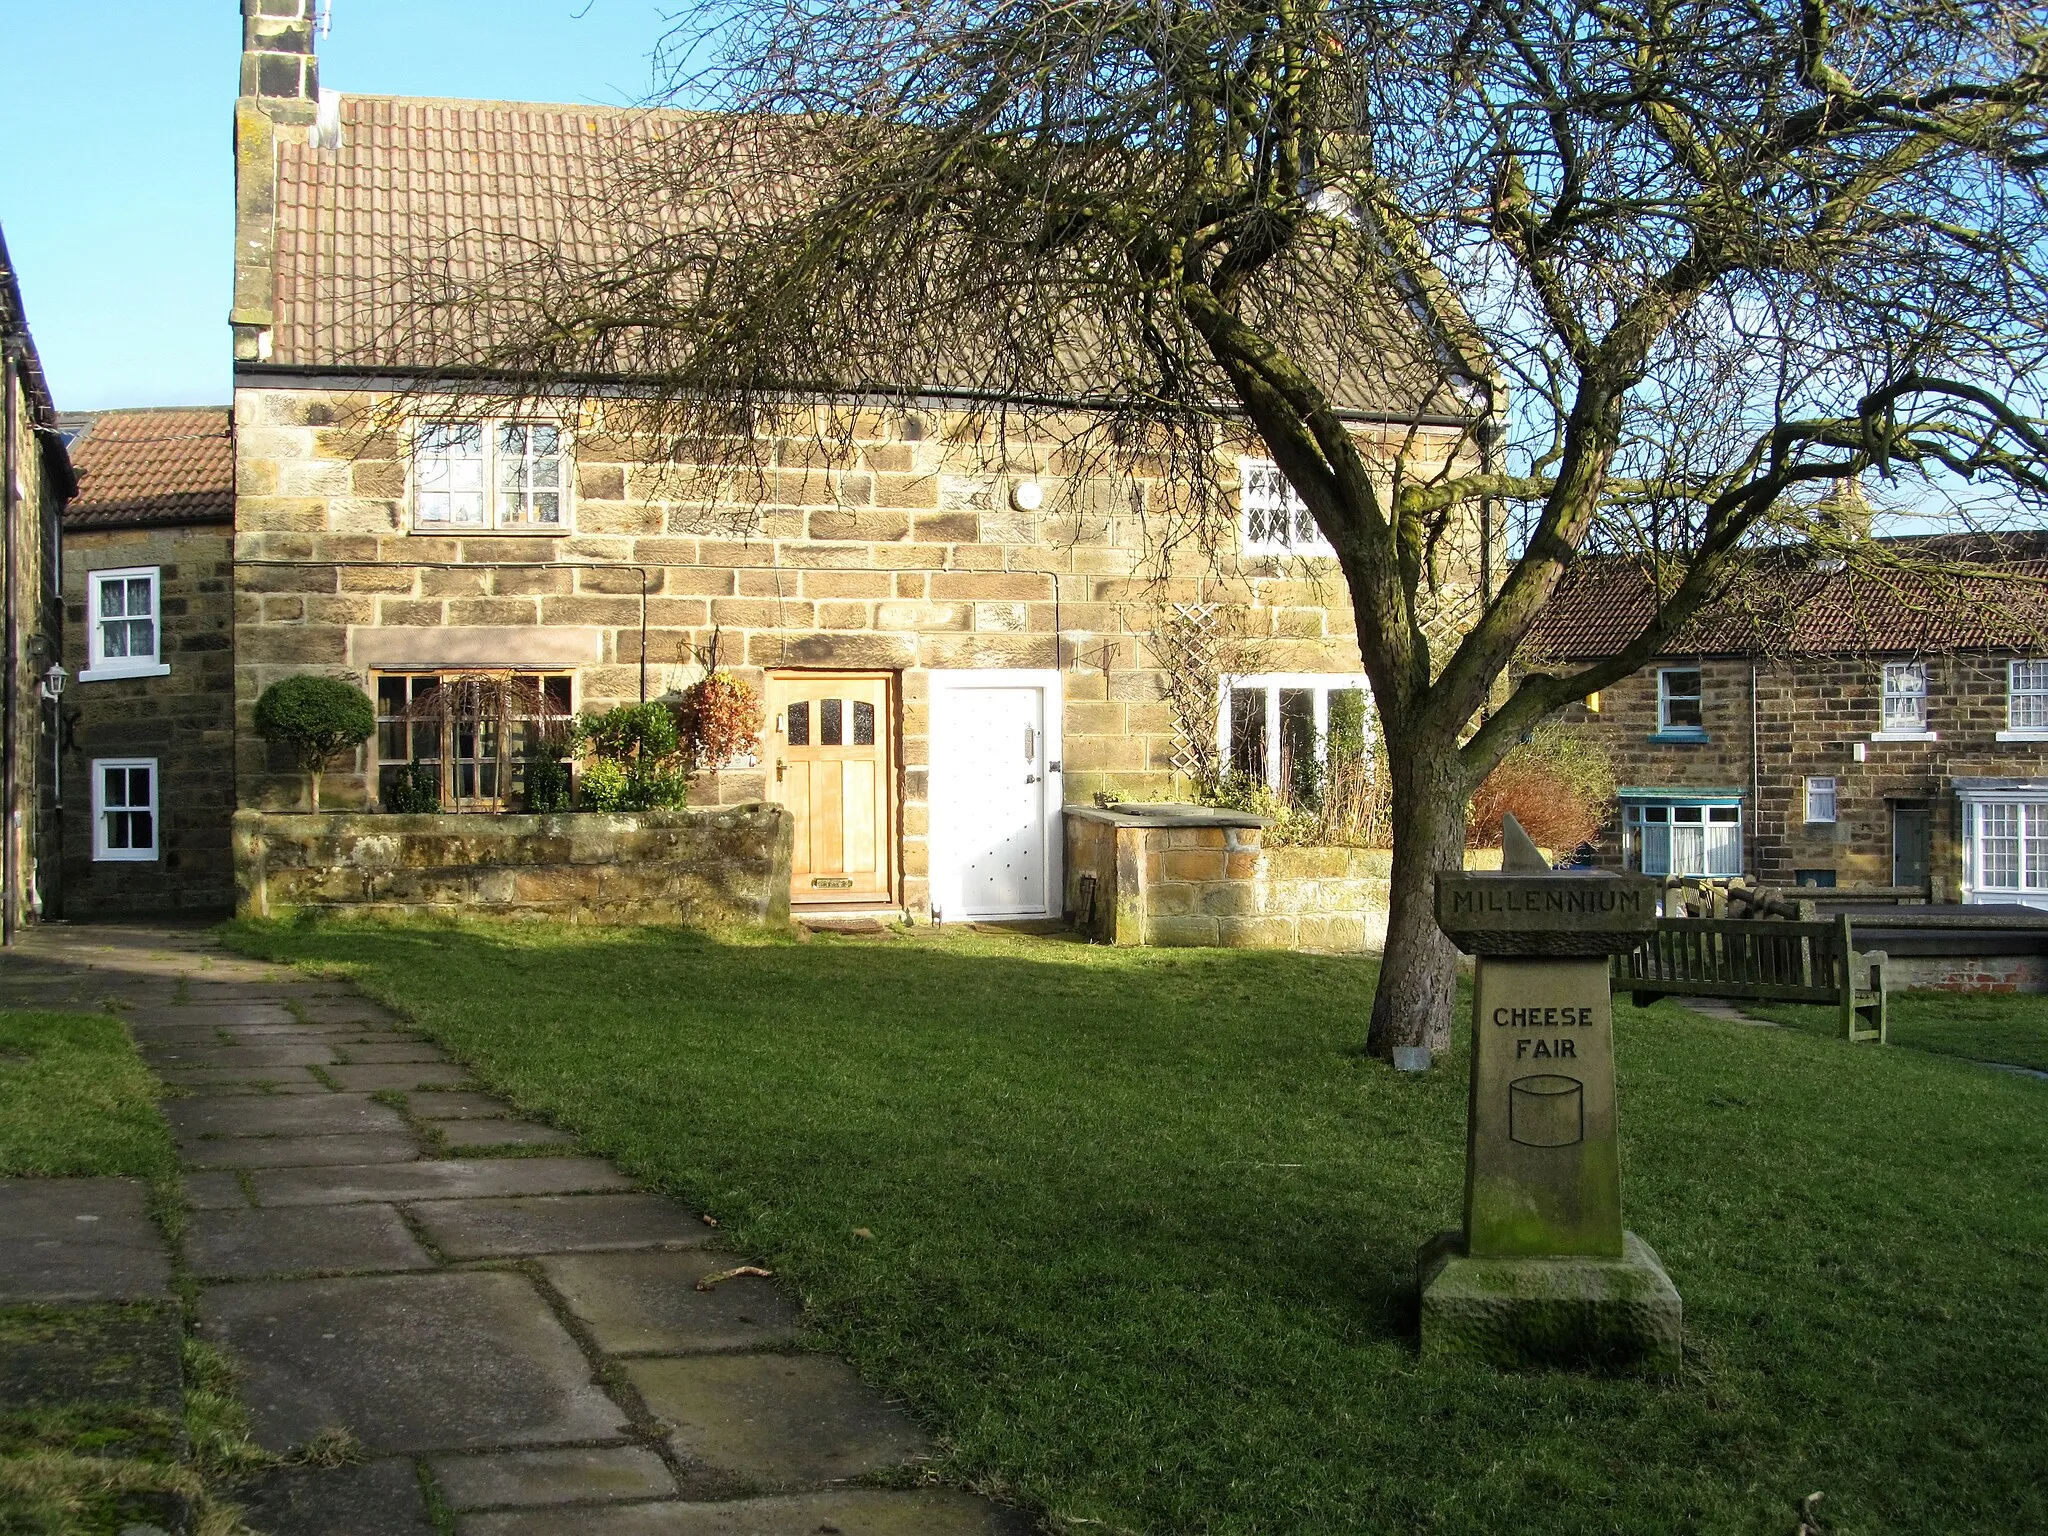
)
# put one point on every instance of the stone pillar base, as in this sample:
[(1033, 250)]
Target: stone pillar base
[(1617, 1313)]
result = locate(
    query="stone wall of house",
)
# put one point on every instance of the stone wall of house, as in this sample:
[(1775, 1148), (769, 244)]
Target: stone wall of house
[(705, 868), (895, 546), (1810, 714), (185, 720), (35, 463), (1186, 876)]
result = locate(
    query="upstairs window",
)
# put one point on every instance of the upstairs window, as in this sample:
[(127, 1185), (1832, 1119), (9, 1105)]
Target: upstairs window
[(1905, 697), (1274, 520), (124, 637), (2027, 697), (1679, 697), (488, 475)]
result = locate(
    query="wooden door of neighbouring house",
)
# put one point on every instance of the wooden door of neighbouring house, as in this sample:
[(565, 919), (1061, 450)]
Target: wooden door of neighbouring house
[(831, 761)]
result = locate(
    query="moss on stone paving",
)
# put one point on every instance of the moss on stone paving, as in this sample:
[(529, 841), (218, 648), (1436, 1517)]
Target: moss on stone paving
[(1133, 1232)]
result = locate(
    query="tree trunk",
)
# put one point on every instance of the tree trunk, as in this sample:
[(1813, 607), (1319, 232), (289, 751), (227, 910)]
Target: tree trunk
[(315, 772), (1418, 984)]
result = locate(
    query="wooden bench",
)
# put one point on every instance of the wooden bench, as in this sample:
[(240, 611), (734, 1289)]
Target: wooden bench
[(1763, 960)]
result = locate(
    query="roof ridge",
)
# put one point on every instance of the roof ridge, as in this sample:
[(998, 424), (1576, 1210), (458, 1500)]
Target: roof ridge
[(459, 103)]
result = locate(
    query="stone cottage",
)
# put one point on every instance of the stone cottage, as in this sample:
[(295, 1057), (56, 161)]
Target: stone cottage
[(35, 482), (954, 637), (149, 720), (1882, 725)]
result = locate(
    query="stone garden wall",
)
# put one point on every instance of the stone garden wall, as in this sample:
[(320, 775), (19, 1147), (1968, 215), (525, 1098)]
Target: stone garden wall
[(1185, 875), (704, 868)]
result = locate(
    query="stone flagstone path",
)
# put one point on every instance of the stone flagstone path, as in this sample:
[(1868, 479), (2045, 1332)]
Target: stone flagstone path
[(520, 1334)]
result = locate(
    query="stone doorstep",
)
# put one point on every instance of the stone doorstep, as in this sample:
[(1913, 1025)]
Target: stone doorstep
[(648, 1303), (850, 1512), (525, 1226), (79, 1240), (253, 1244), (787, 1421), (570, 1475)]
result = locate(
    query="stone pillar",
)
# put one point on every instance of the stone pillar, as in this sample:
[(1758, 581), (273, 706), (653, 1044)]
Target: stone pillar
[(1542, 1272)]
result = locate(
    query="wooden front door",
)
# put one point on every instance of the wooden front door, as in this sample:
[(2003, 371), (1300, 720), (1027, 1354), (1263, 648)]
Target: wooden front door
[(832, 762)]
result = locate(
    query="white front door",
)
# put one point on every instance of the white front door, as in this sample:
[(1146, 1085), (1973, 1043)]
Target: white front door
[(995, 797)]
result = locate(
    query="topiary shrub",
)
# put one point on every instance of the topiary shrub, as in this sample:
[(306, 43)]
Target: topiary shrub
[(415, 790), (316, 717)]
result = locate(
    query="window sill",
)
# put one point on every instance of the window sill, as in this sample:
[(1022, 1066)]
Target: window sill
[(124, 858), (1904, 736), (110, 674), (2021, 736), (1678, 738), (470, 531)]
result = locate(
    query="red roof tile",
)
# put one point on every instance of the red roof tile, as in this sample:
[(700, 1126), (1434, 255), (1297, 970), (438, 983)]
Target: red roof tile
[(160, 466), (1909, 595)]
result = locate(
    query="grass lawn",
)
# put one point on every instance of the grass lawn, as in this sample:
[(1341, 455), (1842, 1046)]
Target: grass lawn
[(109, 1418), (1143, 1225), (76, 1099), (1983, 1026)]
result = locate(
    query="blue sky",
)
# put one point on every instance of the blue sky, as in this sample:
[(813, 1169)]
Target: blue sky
[(117, 181)]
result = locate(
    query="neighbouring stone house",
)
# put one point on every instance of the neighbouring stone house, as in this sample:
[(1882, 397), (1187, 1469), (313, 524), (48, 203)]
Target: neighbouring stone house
[(149, 720), (1870, 726), (35, 482), (954, 637)]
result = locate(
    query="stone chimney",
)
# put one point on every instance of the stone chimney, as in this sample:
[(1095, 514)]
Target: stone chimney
[(280, 94), (1845, 512), (279, 67)]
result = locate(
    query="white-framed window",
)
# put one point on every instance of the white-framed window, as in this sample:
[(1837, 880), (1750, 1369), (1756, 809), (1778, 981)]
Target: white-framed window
[(1275, 727), (1820, 799), (1681, 835), (1905, 699), (2026, 700), (502, 476), (1273, 519), (124, 632), (1681, 695), (2005, 849), (123, 809)]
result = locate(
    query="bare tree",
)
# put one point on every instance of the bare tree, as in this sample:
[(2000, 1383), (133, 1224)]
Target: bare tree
[(1665, 270)]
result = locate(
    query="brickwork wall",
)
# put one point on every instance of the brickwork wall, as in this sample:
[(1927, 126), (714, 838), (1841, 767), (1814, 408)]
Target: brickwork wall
[(185, 720), (1810, 715), (898, 550), (38, 628)]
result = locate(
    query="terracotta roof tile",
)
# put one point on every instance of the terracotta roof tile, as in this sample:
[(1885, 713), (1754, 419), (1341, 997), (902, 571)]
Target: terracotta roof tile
[(1912, 595), (159, 466)]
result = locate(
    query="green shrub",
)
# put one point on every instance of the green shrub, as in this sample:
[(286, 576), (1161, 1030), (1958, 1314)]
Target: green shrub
[(547, 785), (604, 785), (416, 789), (632, 733), (316, 717)]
